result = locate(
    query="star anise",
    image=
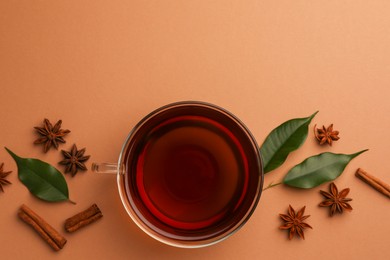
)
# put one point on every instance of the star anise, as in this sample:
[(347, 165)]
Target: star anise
[(336, 200), (74, 160), (50, 135), (294, 222), (3, 174), (326, 135)]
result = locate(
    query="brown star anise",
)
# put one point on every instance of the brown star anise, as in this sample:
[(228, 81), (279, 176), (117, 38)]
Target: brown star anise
[(336, 200), (294, 222), (74, 160), (50, 135), (326, 135), (3, 174)]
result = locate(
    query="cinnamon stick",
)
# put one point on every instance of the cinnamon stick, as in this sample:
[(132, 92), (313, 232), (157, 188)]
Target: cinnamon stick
[(83, 218), (47, 232), (374, 182)]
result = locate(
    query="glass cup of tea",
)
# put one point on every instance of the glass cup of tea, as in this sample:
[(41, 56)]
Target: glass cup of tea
[(189, 174)]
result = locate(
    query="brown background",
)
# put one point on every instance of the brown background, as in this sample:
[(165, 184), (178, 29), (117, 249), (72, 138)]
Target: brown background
[(100, 66)]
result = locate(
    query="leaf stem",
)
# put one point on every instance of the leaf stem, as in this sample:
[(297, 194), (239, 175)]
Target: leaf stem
[(272, 185)]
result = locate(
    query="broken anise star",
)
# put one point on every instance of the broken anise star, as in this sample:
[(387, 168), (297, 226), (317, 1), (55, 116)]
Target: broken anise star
[(336, 200), (326, 135), (3, 174), (50, 135), (294, 222), (74, 160)]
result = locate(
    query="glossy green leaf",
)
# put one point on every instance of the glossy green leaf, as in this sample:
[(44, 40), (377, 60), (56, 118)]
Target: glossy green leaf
[(318, 169), (284, 139), (41, 179)]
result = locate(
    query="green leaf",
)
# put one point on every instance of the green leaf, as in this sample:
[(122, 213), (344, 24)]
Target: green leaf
[(284, 139), (41, 179), (318, 169)]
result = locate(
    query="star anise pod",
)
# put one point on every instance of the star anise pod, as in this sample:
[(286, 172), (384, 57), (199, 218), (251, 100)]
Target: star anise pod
[(294, 222), (74, 160), (3, 174), (336, 200), (326, 135), (50, 135)]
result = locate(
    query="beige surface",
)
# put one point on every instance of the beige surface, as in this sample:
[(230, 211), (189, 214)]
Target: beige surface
[(100, 66)]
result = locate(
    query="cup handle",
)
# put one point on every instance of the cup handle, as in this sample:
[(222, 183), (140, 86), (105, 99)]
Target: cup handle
[(111, 168)]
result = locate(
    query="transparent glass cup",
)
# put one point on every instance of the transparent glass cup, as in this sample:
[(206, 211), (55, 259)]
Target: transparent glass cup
[(189, 174)]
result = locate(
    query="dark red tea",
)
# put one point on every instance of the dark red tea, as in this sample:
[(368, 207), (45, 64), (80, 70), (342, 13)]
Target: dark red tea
[(190, 172)]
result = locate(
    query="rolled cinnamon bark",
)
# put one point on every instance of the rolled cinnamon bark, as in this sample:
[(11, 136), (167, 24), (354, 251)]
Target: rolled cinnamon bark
[(374, 182), (47, 232), (83, 218)]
